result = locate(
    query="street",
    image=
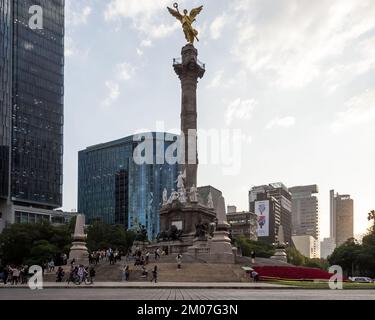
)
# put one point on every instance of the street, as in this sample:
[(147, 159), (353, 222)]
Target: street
[(184, 294)]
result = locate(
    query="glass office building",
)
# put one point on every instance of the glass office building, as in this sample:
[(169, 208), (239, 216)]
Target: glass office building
[(31, 97), (31, 105), (38, 94), (113, 188), (5, 94)]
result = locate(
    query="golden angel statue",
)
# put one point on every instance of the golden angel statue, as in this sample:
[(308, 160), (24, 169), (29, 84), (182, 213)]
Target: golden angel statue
[(187, 21)]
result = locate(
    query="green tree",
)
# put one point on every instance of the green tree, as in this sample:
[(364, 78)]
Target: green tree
[(347, 256), (295, 257), (18, 242), (101, 235), (261, 249), (41, 252)]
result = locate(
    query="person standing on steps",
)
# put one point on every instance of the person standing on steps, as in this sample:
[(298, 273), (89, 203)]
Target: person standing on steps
[(252, 257), (155, 274), (179, 261)]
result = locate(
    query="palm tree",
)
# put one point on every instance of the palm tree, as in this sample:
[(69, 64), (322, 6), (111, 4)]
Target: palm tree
[(371, 216)]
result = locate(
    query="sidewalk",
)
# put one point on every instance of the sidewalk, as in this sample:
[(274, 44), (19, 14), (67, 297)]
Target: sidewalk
[(159, 285)]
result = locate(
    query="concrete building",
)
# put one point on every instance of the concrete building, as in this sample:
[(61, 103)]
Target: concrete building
[(342, 217), (203, 193), (273, 205), (305, 211), (243, 223), (307, 245), (327, 246)]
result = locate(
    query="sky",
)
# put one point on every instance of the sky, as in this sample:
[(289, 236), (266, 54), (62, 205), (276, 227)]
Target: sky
[(292, 84)]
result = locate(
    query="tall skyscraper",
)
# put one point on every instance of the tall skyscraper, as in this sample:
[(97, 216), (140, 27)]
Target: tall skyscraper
[(342, 217), (273, 205), (32, 106), (305, 211), (114, 189)]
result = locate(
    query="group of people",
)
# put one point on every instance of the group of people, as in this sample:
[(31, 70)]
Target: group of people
[(14, 275), (144, 273), (79, 274)]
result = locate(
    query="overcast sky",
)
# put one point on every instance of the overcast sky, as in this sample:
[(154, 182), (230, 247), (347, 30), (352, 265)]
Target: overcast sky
[(295, 76)]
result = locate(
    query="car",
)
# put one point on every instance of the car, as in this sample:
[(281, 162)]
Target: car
[(361, 279)]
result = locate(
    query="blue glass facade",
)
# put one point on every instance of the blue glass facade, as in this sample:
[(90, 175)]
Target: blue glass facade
[(116, 190)]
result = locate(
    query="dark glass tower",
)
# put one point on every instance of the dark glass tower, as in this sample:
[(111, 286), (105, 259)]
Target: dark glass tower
[(35, 111), (5, 94), (114, 189)]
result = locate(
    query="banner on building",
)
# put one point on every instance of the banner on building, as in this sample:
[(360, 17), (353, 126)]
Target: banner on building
[(262, 210)]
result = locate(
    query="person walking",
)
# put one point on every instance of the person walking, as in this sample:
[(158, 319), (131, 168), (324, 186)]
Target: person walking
[(155, 274), (147, 259), (179, 261), (92, 274), (255, 276), (60, 274), (252, 257)]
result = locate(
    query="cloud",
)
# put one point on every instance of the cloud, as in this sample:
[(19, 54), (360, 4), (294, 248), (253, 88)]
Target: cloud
[(113, 93), (146, 43), (216, 80), (147, 16), (290, 46), (125, 71), (239, 110), (285, 122), (217, 26), (360, 111), (76, 13)]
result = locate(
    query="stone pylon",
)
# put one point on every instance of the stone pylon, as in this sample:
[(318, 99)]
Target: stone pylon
[(189, 70), (79, 251)]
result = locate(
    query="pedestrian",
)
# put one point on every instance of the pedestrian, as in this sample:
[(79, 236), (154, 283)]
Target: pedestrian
[(60, 274), (157, 254), (15, 275), (179, 261), (144, 273), (92, 274), (125, 273), (255, 276), (252, 257), (147, 257), (155, 274)]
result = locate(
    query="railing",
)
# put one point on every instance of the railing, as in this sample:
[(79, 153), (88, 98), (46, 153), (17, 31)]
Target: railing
[(179, 61)]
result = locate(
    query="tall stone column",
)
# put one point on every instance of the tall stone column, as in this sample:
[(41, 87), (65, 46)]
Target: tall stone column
[(189, 70)]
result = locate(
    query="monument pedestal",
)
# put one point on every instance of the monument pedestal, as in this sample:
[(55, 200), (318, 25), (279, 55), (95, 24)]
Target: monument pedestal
[(280, 255), (79, 251), (185, 216)]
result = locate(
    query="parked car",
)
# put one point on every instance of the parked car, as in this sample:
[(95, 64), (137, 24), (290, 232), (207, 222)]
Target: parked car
[(361, 279)]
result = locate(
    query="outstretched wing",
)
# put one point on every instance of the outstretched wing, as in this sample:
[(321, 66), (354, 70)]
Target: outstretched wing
[(175, 13), (195, 12)]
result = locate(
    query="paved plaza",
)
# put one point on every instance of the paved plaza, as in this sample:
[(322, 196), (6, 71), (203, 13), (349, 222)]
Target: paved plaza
[(183, 294)]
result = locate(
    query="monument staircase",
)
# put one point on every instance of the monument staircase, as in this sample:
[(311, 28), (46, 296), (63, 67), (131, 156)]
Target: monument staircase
[(193, 270)]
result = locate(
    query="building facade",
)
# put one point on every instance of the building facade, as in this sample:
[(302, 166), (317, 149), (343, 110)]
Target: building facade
[(342, 217), (32, 106), (243, 223), (273, 205), (116, 189), (305, 211), (327, 246), (307, 245)]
